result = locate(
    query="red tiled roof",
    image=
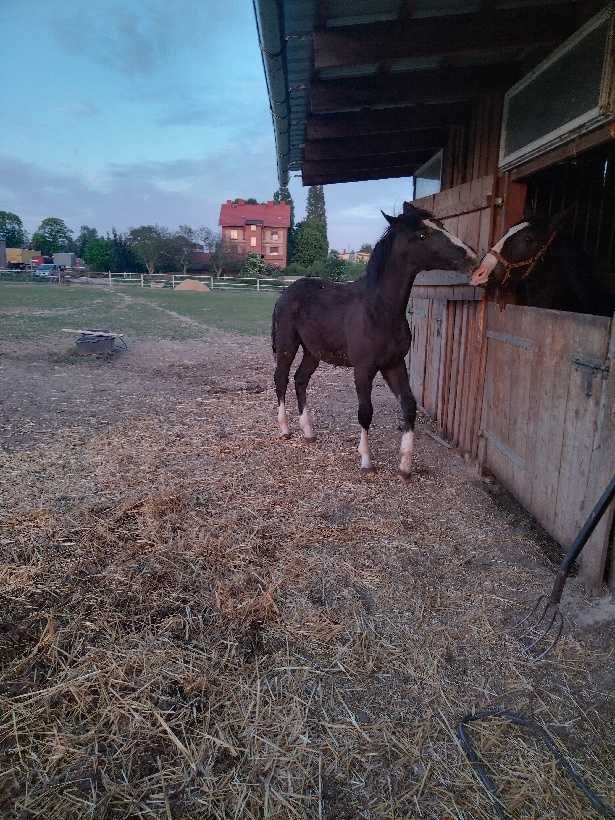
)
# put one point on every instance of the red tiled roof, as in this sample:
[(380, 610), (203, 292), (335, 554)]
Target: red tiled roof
[(270, 214)]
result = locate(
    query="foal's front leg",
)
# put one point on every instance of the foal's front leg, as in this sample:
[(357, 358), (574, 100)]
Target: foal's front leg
[(397, 379), (363, 379)]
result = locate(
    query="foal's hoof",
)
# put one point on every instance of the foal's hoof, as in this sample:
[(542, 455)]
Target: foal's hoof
[(310, 440), (368, 470), (284, 436), (405, 475)]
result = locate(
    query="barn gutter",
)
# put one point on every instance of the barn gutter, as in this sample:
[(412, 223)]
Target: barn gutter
[(269, 17)]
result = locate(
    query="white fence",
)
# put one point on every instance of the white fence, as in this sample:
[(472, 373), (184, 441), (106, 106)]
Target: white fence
[(166, 280), (171, 280)]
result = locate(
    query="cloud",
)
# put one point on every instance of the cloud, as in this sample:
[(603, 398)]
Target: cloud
[(145, 36), (83, 109), (183, 191), (131, 42), (190, 113)]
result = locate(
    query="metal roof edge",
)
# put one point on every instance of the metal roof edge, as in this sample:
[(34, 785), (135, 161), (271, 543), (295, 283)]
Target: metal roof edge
[(268, 15)]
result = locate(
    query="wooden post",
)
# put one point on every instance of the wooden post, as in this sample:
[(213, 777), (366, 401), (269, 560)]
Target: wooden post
[(109, 278), (594, 560), (173, 281), (258, 284), (211, 282), (142, 285)]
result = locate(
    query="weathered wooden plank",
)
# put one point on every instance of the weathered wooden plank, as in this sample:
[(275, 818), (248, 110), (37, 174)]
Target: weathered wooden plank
[(418, 326), (461, 377), (497, 427), (452, 390), (479, 403), (587, 339), (440, 278), (476, 379), (520, 371), (432, 362), (467, 371), (447, 366)]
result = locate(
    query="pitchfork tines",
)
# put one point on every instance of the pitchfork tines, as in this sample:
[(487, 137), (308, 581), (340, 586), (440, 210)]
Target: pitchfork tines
[(542, 627)]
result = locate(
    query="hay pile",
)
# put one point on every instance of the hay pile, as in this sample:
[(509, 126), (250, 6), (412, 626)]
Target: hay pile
[(201, 622), (192, 284)]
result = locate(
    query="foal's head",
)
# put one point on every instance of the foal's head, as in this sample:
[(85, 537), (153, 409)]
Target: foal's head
[(519, 251), (420, 241)]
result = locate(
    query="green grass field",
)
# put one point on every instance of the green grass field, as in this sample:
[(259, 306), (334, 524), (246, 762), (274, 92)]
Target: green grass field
[(28, 311)]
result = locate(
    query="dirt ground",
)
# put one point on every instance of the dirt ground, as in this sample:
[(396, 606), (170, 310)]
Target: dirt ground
[(201, 620)]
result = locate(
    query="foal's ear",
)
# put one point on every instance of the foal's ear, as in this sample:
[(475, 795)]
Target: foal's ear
[(390, 219)]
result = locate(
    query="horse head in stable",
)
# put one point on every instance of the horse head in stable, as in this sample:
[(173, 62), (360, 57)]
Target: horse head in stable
[(520, 251), (539, 263)]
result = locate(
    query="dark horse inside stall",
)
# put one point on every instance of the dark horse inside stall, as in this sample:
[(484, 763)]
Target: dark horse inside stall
[(363, 324), (536, 263)]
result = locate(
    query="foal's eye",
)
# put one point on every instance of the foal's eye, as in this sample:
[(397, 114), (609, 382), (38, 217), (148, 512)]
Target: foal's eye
[(422, 235)]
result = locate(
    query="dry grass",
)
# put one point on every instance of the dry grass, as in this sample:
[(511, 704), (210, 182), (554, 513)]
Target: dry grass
[(201, 622)]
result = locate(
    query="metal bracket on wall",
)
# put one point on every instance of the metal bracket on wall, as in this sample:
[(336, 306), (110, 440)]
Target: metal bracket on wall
[(590, 368)]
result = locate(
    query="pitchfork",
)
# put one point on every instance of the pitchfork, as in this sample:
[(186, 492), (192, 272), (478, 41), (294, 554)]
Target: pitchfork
[(544, 621)]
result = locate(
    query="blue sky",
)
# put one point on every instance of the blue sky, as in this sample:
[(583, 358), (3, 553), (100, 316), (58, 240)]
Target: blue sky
[(122, 114)]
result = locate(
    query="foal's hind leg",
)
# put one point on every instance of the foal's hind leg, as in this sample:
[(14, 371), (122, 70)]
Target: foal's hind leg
[(363, 379), (397, 379), (285, 353), (303, 375)]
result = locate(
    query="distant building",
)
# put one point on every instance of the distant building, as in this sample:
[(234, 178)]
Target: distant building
[(361, 257), (261, 229), (21, 257)]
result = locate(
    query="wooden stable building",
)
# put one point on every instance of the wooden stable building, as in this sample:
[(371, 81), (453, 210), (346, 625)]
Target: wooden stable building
[(487, 108)]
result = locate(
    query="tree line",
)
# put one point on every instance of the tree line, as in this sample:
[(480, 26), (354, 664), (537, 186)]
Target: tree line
[(150, 248)]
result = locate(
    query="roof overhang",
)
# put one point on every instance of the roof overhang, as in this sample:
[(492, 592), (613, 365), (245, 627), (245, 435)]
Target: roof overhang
[(370, 89)]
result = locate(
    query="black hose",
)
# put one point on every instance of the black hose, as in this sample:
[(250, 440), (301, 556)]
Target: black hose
[(537, 731)]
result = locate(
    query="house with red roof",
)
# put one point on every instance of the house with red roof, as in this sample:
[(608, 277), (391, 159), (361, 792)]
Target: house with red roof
[(257, 228)]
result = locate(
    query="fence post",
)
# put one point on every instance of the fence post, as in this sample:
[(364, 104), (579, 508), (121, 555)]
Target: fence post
[(173, 281), (258, 284), (211, 282), (142, 280), (109, 278)]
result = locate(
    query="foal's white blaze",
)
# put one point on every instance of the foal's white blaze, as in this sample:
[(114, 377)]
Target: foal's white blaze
[(366, 462), (283, 420), (406, 450), (471, 254), (482, 273), (305, 422)]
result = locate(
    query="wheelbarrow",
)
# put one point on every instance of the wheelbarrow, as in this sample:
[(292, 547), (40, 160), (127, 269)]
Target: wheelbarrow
[(543, 625)]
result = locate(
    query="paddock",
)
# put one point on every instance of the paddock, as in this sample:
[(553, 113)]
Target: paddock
[(199, 620)]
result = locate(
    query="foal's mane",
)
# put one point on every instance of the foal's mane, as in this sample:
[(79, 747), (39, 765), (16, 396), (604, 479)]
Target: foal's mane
[(410, 219)]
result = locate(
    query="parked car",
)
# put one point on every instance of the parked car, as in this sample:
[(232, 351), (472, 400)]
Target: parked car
[(46, 273)]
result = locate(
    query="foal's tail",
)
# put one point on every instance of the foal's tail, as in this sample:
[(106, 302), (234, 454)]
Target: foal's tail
[(274, 327)]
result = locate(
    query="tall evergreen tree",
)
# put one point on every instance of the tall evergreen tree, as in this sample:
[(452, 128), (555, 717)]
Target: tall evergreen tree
[(311, 240), (316, 204)]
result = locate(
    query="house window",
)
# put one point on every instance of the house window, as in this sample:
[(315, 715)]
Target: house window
[(233, 234), (252, 227), (274, 250), (275, 236), (253, 241)]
